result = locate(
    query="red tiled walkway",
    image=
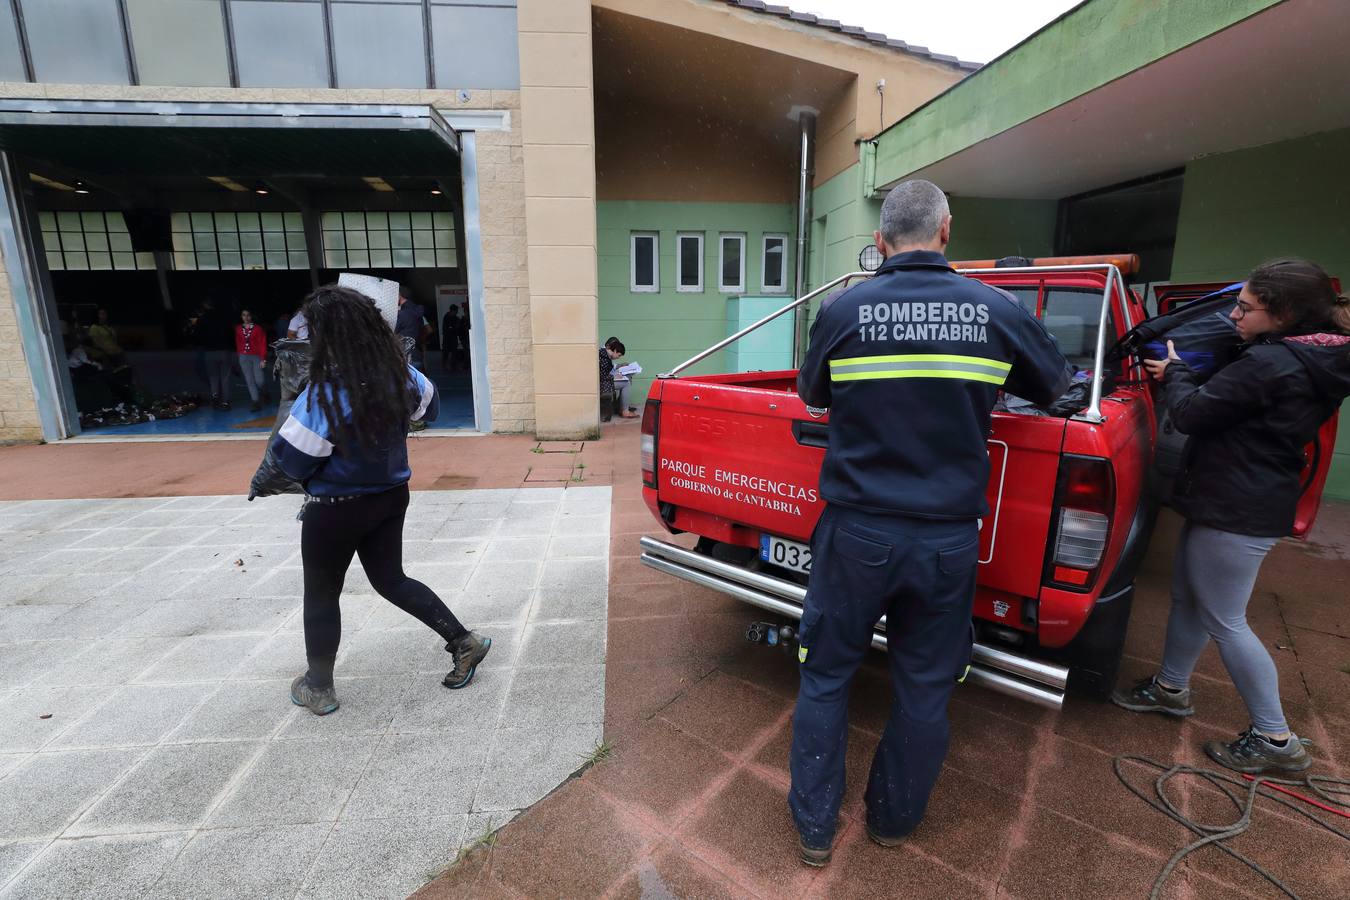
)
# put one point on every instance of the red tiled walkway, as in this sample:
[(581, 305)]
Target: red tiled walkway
[(693, 800)]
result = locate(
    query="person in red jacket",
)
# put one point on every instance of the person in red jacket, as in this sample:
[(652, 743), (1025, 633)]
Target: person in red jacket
[(250, 342)]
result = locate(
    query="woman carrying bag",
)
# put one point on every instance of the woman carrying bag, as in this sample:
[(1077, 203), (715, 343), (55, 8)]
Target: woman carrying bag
[(1239, 489), (346, 442)]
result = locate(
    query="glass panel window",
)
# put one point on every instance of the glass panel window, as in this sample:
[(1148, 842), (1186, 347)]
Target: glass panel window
[(227, 240), (773, 276), (389, 240), (379, 45), (644, 270), (93, 240), (475, 46), (689, 263), (11, 57), (279, 44), (76, 41), (179, 42), (731, 263)]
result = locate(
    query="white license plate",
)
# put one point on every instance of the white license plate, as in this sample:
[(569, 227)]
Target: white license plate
[(788, 554)]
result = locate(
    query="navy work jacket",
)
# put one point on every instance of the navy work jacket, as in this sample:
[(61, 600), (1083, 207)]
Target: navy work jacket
[(910, 363)]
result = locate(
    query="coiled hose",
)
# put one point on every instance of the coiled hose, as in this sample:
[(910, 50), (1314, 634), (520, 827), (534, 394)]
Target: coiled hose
[(1327, 790)]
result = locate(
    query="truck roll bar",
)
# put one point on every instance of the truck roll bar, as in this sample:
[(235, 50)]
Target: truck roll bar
[(1093, 413)]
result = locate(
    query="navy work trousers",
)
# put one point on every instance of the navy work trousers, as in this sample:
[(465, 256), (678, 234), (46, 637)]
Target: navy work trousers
[(920, 575)]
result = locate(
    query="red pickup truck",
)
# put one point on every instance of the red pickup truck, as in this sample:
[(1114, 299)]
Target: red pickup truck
[(735, 460)]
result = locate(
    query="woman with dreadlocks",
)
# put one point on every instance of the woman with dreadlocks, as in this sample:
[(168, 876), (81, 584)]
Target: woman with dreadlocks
[(346, 442)]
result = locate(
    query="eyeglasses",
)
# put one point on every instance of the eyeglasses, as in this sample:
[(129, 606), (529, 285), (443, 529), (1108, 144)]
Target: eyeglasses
[(1243, 308)]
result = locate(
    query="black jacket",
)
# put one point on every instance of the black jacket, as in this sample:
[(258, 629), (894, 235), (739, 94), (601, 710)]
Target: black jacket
[(910, 363), (1249, 424)]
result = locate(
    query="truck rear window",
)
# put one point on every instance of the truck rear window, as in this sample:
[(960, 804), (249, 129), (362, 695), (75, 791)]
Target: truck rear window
[(1072, 316)]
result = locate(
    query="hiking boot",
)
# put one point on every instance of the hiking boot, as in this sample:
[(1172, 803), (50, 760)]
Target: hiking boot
[(816, 857), (320, 701), (1149, 696), (468, 650), (1255, 754)]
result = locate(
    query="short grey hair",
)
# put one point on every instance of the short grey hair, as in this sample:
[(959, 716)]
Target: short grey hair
[(913, 212)]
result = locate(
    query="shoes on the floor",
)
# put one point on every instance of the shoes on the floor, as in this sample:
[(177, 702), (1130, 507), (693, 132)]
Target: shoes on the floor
[(468, 651), (816, 857), (1255, 754), (1149, 696), (320, 701), (255, 406), (884, 840)]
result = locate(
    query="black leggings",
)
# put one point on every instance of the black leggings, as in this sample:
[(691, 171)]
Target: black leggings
[(370, 526)]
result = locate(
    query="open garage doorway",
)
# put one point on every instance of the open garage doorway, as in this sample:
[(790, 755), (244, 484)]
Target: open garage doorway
[(168, 253)]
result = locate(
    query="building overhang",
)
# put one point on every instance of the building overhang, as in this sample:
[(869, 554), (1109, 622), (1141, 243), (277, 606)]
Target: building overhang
[(1043, 122), (241, 139)]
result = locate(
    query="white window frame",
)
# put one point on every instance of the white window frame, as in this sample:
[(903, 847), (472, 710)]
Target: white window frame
[(680, 237), (764, 264), (633, 285), (722, 286)]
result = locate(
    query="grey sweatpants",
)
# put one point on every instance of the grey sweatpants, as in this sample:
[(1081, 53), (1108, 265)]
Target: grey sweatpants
[(1212, 578), (251, 366)]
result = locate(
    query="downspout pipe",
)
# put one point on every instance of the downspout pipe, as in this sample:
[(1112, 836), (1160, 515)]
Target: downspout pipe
[(806, 175)]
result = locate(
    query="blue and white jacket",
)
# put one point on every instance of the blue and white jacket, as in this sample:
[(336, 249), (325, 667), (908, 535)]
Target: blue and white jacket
[(304, 448)]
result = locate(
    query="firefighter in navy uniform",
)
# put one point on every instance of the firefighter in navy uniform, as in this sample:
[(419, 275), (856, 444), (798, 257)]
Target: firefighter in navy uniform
[(909, 364)]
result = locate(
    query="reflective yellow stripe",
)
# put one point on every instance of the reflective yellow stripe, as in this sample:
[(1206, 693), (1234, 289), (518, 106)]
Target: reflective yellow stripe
[(922, 357), (919, 373)]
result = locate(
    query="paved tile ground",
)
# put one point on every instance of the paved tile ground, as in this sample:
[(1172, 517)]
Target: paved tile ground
[(147, 743), (693, 801)]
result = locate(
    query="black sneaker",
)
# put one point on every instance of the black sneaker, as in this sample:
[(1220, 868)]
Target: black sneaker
[(320, 701), (816, 857), (1149, 696), (468, 651), (1255, 754)]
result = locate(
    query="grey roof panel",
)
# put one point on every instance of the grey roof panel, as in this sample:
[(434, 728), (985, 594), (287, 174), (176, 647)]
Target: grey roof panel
[(854, 31)]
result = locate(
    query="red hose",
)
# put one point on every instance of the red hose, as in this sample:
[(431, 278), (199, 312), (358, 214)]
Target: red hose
[(1284, 790)]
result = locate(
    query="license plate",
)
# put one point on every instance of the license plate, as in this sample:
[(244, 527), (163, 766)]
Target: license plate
[(788, 554)]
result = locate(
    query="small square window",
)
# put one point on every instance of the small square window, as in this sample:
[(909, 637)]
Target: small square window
[(773, 277), (689, 263), (731, 264), (644, 268)]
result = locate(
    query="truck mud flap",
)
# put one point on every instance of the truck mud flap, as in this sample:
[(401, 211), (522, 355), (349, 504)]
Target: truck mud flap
[(1033, 680)]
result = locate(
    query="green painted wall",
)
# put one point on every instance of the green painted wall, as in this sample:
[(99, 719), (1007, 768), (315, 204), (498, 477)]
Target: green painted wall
[(661, 330), (1287, 199), (1091, 45), (988, 229)]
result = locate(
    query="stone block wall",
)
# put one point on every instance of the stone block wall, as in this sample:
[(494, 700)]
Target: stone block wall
[(18, 407)]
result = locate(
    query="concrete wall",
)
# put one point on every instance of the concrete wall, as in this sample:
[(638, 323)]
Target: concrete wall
[(1287, 199), (18, 408), (661, 329), (559, 142)]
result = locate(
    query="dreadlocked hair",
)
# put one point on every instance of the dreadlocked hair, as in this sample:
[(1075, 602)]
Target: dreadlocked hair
[(353, 351)]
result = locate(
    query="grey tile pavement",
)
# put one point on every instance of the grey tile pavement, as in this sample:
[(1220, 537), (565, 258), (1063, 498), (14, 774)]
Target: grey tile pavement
[(172, 763)]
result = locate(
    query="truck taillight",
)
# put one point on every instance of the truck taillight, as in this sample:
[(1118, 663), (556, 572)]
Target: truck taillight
[(651, 414), (1084, 499)]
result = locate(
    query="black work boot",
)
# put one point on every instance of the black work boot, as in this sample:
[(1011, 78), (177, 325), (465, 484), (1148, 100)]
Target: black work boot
[(1255, 754), (1149, 696), (468, 650), (320, 701)]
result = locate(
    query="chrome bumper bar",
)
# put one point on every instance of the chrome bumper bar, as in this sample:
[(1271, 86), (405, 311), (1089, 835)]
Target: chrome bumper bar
[(1007, 673)]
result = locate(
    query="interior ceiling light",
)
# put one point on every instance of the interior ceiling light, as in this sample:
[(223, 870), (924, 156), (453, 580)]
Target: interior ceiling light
[(379, 184), (260, 189), (80, 188), (229, 183), (435, 192), (48, 183)]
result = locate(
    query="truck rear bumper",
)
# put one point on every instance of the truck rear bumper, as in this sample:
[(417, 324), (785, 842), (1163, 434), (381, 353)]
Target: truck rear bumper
[(1039, 682)]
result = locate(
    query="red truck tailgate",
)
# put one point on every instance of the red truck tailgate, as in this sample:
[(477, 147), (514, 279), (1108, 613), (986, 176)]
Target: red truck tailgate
[(742, 449)]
